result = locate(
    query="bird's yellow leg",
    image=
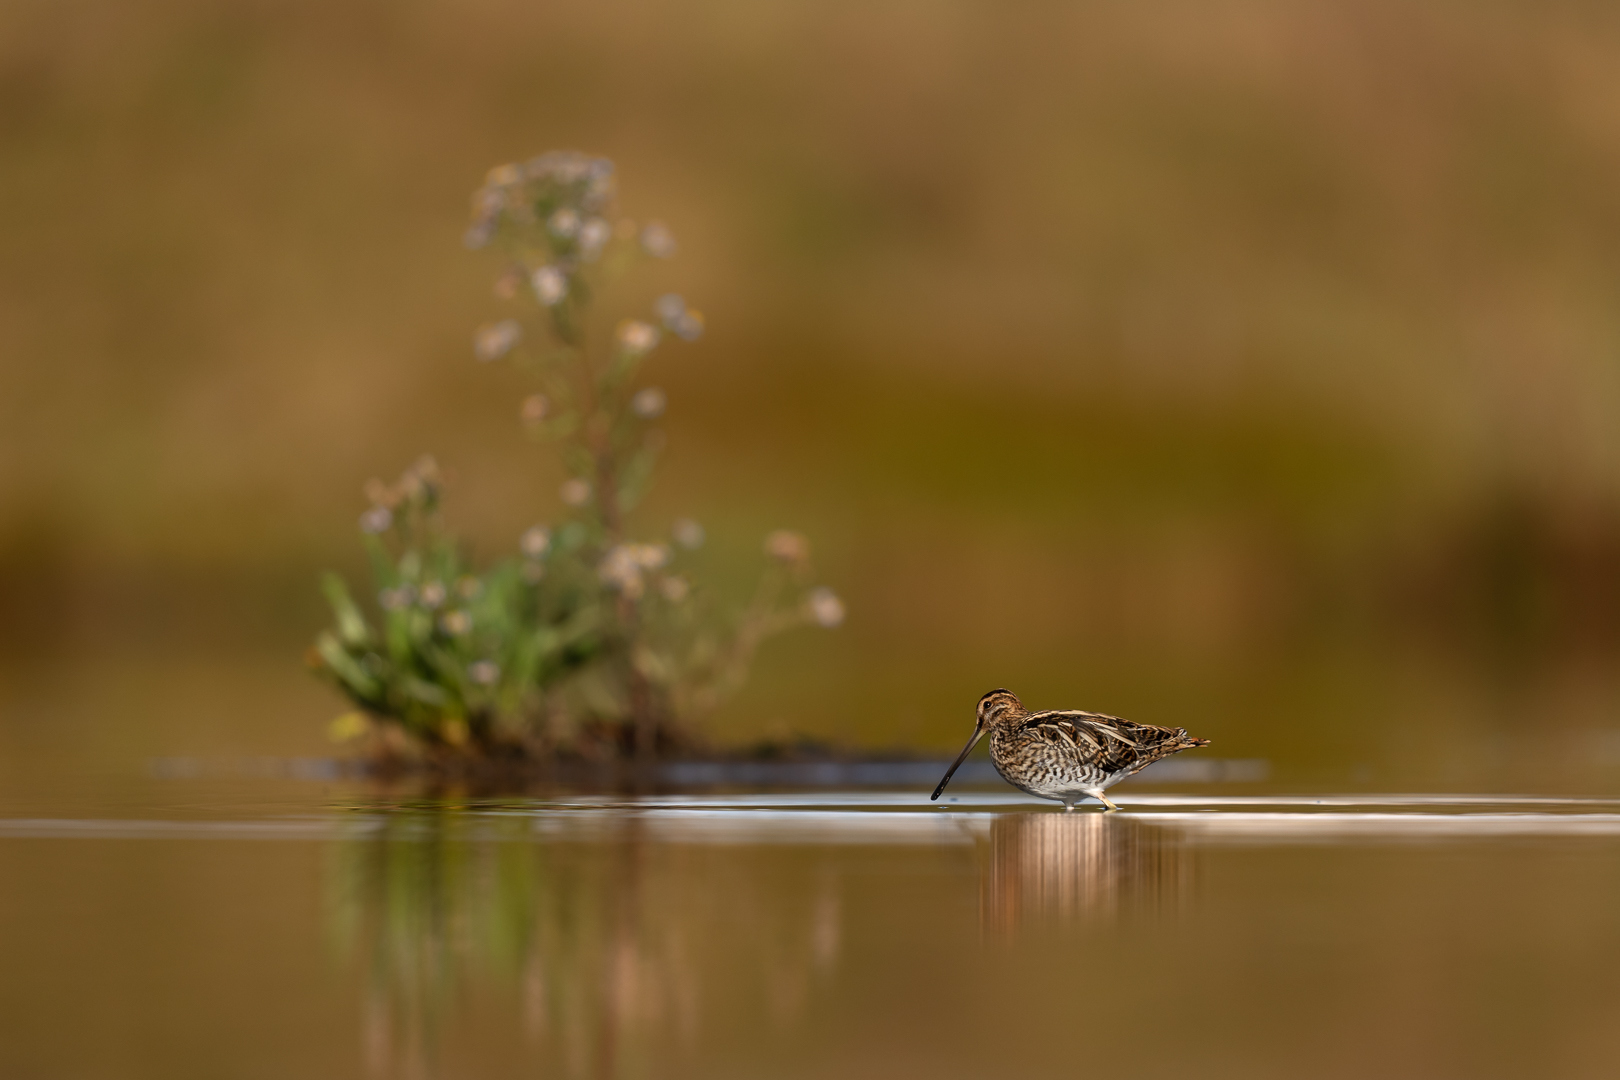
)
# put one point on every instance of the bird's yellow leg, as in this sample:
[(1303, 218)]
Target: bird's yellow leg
[(1106, 803)]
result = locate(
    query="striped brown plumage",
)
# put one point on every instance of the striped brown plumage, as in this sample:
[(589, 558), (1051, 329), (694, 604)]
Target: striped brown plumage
[(1065, 754)]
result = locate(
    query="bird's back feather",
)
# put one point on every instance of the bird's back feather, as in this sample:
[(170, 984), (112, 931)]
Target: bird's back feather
[(1109, 742)]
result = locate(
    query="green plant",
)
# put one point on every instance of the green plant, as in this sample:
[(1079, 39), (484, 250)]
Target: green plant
[(588, 641)]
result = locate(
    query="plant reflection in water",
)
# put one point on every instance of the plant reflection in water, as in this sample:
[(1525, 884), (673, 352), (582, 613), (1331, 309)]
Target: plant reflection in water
[(1052, 866), (607, 945)]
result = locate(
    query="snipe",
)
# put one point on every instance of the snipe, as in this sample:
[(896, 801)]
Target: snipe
[(1063, 754)]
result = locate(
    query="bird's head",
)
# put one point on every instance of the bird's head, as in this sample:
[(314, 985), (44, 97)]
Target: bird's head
[(998, 706)]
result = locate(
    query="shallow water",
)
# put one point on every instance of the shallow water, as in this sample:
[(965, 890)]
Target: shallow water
[(286, 929)]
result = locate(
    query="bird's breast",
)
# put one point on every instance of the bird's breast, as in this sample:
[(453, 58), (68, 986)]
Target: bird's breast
[(1042, 766)]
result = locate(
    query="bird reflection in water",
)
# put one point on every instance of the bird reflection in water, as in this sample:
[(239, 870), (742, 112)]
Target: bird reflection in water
[(611, 946), (1057, 866)]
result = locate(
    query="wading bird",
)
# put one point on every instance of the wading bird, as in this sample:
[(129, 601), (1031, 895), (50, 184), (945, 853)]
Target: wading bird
[(1063, 754)]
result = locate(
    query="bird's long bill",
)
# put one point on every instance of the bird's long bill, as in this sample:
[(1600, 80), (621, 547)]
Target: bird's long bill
[(978, 732)]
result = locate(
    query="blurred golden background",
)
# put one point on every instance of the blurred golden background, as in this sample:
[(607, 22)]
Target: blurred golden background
[(1249, 367)]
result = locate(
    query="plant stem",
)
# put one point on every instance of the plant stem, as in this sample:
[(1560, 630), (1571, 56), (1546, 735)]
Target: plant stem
[(599, 444)]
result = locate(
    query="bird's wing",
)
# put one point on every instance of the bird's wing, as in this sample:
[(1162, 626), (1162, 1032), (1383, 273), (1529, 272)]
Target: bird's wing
[(1097, 737), (1113, 742)]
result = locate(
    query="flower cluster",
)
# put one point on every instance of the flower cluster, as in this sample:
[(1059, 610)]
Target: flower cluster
[(551, 213), (563, 191), (625, 566), (684, 322), (417, 487)]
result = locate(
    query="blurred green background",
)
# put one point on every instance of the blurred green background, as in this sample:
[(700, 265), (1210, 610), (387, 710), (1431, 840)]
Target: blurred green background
[(1250, 367)]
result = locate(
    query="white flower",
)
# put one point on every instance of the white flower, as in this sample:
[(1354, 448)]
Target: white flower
[(535, 541), (507, 285), (483, 672), (599, 192), (569, 167), (394, 599), (419, 482), (503, 175), (536, 407), (688, 533), (674, 588), (636, 336), (564, 222), (538, 167), (789, 547), (376, 520), (488, 202), (689, 327), (670, 307), (575, 492), (380, 493), (648, 403), (456, 622), (550, 285), (495, 340), (620, 571), (825, 607), (426, 467), (593, 237), (433, 594), (657, 240), (682, 321)]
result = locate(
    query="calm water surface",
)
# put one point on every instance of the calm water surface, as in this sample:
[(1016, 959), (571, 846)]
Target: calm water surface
[(286, 930)]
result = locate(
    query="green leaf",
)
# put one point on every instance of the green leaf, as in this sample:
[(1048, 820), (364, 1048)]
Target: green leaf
[(349, 672), (351, 624)]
